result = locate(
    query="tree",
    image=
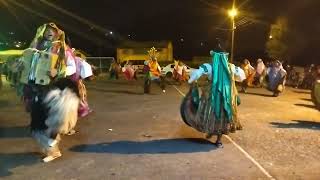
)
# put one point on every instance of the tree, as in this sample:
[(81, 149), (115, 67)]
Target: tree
[(277, 45)]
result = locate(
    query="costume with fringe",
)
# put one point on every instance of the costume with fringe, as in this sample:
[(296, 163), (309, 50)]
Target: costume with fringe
[(213, 108), (51, 98)]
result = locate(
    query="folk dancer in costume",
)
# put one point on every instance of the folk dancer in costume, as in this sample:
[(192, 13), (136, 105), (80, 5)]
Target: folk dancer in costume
[(260, 73), (114, 70), (85, 72), (179, 72), (276, 78), (77, 70), (129, 71), (213, 110), (51, 98), (153, 72), (250, 72)]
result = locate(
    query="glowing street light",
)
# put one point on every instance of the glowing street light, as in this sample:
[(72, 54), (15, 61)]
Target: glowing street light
[(232, 13), (270, 37)]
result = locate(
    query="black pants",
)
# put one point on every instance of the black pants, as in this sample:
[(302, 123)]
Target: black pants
[(148, 81), (244, 85), (114, 74)]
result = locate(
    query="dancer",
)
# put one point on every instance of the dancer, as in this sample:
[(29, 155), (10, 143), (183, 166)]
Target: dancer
[(129, 71), (260, 73), (213, 110), (114, 70), (153, 72), (179, 72), (277, 78), (250, 72), (77, 70), (50, 97)]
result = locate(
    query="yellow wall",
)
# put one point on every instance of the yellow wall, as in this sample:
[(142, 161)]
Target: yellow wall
[(124, 54), (5, 55)]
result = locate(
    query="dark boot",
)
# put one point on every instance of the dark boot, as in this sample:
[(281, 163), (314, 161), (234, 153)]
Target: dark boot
[(218, 143), (147, 86)]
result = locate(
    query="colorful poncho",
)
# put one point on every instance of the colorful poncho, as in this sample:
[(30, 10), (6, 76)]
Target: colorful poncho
[(221, 85)]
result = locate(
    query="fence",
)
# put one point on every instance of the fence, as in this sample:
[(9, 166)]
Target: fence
[(101, 64)]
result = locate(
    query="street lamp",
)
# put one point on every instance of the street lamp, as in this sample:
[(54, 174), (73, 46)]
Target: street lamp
[(232, 14)]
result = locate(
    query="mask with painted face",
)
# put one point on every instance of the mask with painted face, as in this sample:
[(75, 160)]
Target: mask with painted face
[(50, 34)]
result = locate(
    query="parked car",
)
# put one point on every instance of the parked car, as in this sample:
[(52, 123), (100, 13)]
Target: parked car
[(168, 70)]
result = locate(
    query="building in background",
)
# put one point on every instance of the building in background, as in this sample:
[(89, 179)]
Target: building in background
[(138, 51), (198, 60)]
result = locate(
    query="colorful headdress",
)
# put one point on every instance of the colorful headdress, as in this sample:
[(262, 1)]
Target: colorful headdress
[(153, 54), (40, 34), (59, 44)]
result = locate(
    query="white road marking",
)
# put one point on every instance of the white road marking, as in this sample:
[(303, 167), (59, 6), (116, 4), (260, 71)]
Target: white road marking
[(264, 171)]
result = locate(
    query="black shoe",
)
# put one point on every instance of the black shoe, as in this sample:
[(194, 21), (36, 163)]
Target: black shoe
[(219, 144)]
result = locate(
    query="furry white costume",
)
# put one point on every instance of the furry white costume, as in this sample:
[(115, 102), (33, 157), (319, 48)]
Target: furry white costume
[(63, 110), (51, 98), (54, 111)]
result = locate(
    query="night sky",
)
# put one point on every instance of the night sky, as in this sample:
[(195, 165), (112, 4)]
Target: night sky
[(197, 22)]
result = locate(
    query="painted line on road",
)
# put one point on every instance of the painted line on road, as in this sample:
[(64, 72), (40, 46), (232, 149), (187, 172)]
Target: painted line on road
[(264, 171)]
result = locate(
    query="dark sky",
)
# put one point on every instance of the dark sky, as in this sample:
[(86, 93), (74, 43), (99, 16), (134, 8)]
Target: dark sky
[(195, 21)]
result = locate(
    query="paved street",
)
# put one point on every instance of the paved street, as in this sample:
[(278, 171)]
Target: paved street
[(135, 136)]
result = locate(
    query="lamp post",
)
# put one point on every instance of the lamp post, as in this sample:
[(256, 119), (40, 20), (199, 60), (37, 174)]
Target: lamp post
[(232, 14)]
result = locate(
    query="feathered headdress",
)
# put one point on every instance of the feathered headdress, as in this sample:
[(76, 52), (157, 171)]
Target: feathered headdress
[(153, 54)]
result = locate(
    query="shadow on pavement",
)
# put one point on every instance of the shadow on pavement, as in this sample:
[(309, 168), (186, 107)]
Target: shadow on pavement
[(306, 99), (14, 132), (306, 105), (298, 124), (11, 161), (116, 91), (163, 146), (301, 92), (257, 94)]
